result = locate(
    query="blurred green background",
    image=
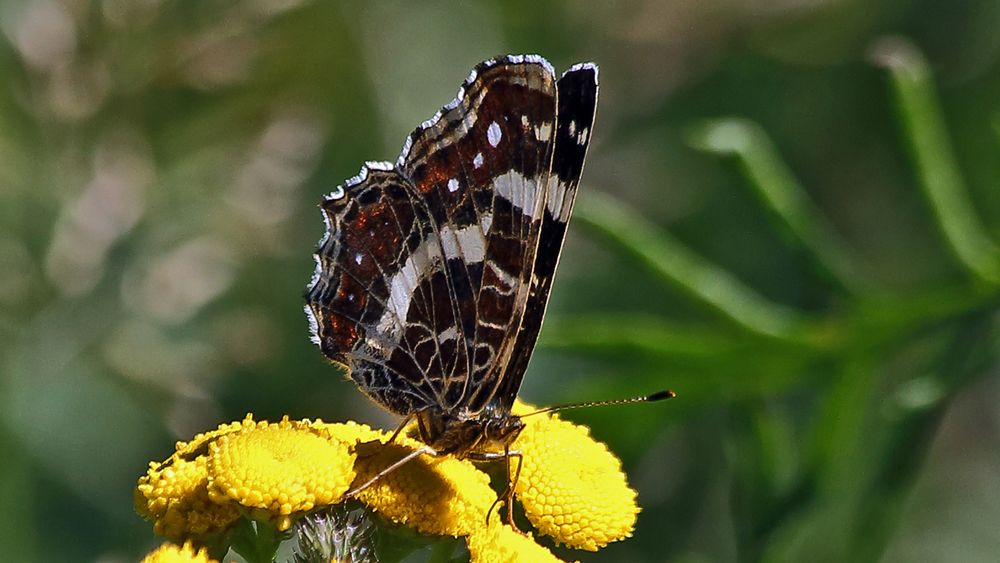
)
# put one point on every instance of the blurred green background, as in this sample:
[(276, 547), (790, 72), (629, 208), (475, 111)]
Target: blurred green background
[(789, 216)]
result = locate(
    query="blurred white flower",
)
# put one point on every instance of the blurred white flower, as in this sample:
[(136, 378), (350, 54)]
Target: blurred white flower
[(43, 32), (176, 285)]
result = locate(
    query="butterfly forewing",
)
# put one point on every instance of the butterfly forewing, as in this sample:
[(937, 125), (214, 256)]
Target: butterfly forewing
[(577, 104), (482, 168)]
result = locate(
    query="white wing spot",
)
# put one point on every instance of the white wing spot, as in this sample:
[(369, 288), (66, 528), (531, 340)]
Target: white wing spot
[(478, 160), (466, 243), (543, 132), (493, 134), (582, 138), (450, 333), (555, 196), (524, 121), (453, 185), (358, 258), (521, 192), (572, 127)]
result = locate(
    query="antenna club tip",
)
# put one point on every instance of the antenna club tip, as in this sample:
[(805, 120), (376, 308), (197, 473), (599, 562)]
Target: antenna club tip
[(662, 395)]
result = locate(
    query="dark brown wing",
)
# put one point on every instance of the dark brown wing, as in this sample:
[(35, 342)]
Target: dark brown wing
[(423, 275), (577, 99), (374, 268), (481, 167)]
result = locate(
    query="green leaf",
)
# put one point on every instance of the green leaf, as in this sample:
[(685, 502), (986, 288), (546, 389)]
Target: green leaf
[(927, 139), (776, 187), (708, 284)]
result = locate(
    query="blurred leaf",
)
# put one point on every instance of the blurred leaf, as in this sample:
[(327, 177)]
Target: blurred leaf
[(927, 138), (256, 541), (777, 188), (708, 284)]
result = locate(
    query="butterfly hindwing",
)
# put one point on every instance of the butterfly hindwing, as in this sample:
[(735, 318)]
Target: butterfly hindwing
[(377, 252)]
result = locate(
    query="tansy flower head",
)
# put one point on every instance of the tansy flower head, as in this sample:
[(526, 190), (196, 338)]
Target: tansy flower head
[(174, 493), (280, 468), (271, 469), (572, 488), (445, 497), (172, 553), (498, 543)]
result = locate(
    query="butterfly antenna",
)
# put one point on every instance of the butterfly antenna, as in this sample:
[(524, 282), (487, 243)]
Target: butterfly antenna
[(658, 396)]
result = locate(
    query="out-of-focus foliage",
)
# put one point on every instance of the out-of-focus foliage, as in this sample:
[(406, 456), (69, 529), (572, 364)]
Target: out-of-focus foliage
[(790, 216)]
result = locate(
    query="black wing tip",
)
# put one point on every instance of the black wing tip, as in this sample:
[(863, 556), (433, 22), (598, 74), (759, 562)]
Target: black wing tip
[(581, 81), (583, 69)]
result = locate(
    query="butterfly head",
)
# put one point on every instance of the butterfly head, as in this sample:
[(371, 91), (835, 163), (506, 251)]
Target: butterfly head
[(460, 434)]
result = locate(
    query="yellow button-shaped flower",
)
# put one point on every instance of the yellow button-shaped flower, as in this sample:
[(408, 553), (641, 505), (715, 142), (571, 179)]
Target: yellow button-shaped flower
[(174, 495), (499, 543), (173, 553), (571, 486), (440, 496), (280, 468)]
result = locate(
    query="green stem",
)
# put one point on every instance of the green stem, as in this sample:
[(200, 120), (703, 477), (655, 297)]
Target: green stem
[(776, 186), (256, 541), (707, 283), (927, 137)]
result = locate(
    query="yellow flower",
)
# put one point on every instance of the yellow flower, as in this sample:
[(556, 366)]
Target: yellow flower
[(445, 496), (269, 469), (499, 543), (174, 493), (572, 487), (172, 553), (280, 468)]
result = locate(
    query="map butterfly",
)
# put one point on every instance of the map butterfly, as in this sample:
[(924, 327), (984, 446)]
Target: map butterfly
[(433, 275)]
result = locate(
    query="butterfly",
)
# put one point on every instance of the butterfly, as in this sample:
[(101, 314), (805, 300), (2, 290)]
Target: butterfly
[(434, 272)]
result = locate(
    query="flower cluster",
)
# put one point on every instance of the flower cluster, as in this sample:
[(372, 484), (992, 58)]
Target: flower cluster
[(571, 487)]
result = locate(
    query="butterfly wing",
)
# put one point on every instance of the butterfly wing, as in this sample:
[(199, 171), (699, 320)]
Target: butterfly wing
[(374, 271), (577, 105), (424, 273), (481, 167)]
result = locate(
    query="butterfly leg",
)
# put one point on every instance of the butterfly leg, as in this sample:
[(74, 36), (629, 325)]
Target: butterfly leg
[(399, 429), (511, 483), (392, 439), (508, 494), (401, 462)]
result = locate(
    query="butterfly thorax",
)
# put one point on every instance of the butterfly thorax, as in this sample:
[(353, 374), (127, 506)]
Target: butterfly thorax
[(460, 433)]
